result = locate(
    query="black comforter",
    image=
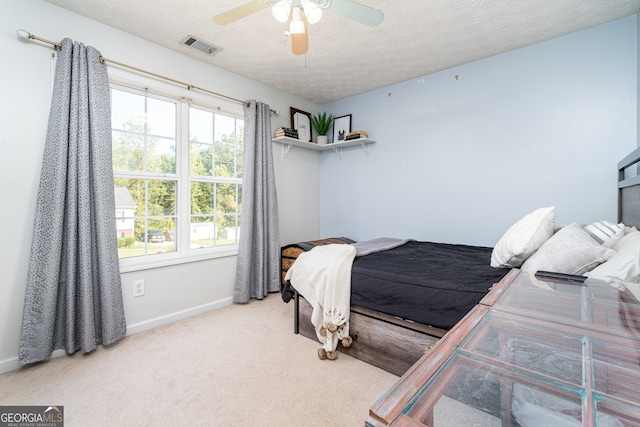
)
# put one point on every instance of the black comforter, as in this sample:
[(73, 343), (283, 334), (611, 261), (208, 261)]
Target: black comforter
[(431, 283)]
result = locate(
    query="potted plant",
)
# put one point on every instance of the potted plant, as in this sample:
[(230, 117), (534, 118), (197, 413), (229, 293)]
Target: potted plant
[(322, 122)]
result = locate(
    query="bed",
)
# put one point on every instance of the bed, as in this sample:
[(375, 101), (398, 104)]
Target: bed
[(404, 299)]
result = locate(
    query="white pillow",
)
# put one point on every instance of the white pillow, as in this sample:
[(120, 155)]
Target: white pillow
[(523, 238), (606, 233), (624, 265), (571, 250)]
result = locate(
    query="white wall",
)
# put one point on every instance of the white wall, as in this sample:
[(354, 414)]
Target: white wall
[(25, 82), (463, 153)]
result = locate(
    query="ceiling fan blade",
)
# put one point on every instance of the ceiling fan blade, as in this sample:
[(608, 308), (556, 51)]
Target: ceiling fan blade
[(240, 12), (360, 13)]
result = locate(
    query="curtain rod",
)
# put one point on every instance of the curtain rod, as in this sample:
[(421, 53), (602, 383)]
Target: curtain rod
[(57, 46)]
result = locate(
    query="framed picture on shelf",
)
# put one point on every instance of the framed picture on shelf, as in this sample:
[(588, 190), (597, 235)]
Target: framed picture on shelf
[(341, 128), (301, 121)]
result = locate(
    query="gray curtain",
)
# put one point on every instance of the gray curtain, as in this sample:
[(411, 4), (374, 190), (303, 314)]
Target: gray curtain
[(258, 268), (73, 295)]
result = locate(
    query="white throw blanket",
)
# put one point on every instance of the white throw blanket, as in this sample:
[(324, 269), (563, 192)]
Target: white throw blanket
[(323, 277)]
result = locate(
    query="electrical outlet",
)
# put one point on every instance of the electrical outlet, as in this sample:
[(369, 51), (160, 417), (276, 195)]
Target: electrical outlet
[(138, 288)]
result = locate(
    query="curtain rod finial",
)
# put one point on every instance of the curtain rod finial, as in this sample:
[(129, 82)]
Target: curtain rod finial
[(23, 34)]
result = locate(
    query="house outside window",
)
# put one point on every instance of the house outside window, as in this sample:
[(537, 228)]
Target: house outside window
[(125, 212), (177, 167)]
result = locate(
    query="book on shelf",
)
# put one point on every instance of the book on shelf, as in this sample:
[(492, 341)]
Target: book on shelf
[(362, 133), (291, 133), (356, 134)]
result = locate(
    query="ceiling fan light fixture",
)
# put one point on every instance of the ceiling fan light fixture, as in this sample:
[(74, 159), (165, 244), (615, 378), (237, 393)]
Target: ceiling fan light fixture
[(296, 26), (312, 11), (281, 10)]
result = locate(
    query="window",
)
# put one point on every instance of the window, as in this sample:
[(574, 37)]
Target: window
[(177, 167), (215, 169)]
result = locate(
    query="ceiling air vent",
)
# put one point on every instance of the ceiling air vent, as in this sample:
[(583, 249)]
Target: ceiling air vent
[(200, 45)]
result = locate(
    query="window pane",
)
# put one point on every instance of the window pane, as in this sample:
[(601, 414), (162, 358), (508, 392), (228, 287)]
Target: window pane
[(145, 213), (226, 198), (224, 156), (161, 118), (200, 126), (130, 194), (156, 236), (227, 220), (201, 198), (162, 155), (225, 151), (239, 162), (125, 107), (144, 132), (228, 232), (225, 128), (161, 130), (128, 150), (202, 232), (162, 197), (151, 239), (128, 247), (200, 159), (170, 236), (239, 148), (125, 224), (127, 121)]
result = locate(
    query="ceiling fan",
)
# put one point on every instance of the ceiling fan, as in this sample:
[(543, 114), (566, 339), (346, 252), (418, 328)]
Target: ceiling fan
[(301, 12)]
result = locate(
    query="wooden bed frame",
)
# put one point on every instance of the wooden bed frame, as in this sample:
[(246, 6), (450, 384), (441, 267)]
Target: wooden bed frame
[(395, 344), (629, 189), (382, 340), (379, 339)]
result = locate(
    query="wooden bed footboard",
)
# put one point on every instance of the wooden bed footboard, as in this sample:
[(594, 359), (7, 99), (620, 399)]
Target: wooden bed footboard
[(379, 339), (289, 253)]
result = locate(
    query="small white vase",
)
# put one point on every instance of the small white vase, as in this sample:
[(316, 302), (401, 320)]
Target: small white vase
[(322, 139)]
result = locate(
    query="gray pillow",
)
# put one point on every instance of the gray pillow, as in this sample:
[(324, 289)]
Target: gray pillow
[(571, 250)]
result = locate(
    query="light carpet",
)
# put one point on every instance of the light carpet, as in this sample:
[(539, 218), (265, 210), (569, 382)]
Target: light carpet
[(241, 365)]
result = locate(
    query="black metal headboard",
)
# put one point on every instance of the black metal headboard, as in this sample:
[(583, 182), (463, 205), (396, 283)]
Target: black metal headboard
[(629, 189)]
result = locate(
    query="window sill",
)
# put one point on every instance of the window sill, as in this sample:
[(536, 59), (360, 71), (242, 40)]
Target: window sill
[(129, 265)]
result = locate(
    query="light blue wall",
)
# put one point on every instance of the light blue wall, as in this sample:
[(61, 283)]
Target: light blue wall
[(463, 153)]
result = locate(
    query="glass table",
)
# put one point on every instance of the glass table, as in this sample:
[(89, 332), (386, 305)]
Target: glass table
[(534, 352)]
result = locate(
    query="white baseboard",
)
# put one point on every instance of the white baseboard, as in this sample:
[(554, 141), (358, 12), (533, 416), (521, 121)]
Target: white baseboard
[(178, 315), (11, 364)]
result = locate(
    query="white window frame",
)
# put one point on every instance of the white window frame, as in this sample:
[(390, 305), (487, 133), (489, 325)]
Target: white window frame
[(130, 81)]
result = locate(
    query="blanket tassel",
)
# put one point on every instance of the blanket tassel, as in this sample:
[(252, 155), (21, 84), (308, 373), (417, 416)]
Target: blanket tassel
[(331, 355)]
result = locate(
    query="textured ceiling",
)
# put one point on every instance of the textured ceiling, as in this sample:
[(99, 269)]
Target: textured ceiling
[(417, 37)]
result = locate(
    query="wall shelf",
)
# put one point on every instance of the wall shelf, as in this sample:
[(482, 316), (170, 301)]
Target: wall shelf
[(287, 143)]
